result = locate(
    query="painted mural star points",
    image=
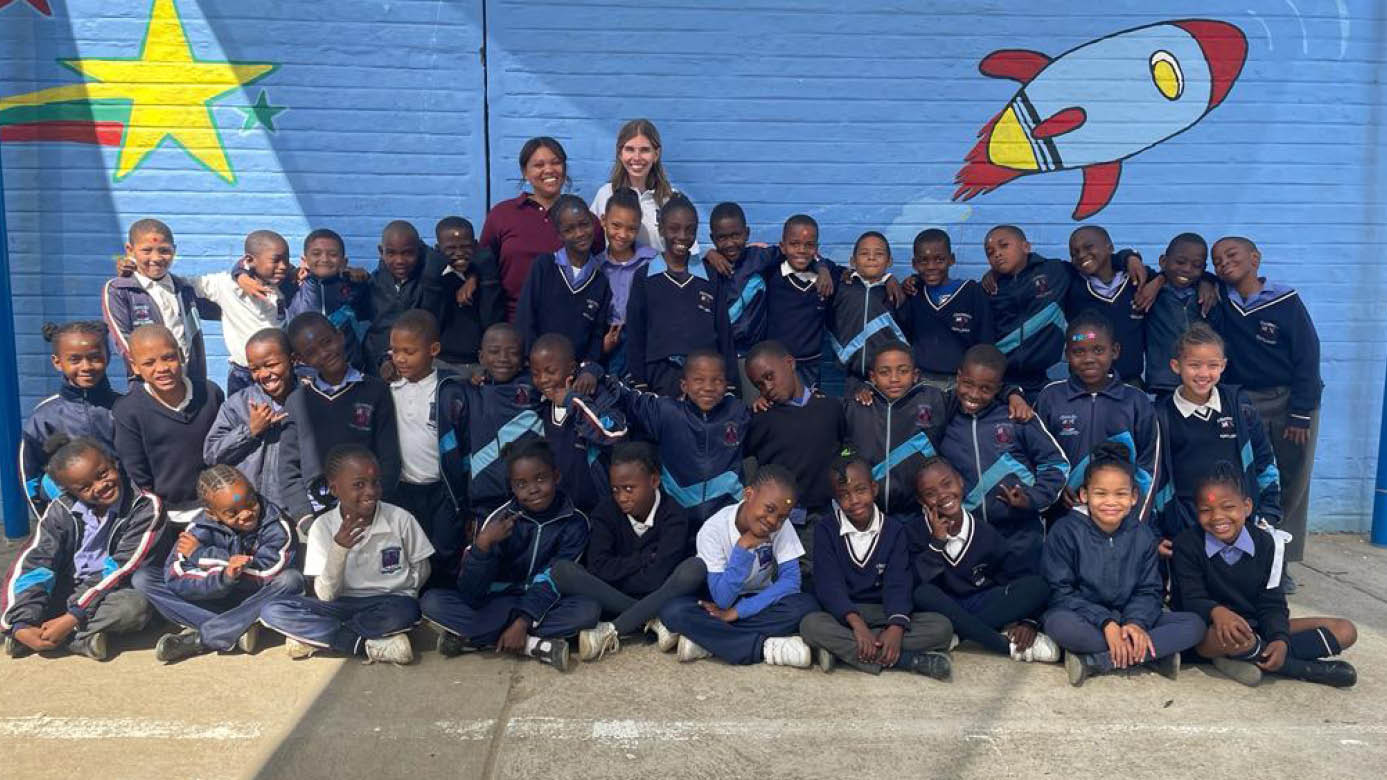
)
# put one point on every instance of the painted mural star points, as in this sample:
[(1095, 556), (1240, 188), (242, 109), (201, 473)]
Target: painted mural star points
[(39, 5), (170, 91), (261, 113)]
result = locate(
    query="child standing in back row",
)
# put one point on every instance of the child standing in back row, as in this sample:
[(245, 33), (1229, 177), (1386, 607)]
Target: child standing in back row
[(945, 316), (862, 319), (470, 298), (621, 263), (1102, 287), (1175, 309)]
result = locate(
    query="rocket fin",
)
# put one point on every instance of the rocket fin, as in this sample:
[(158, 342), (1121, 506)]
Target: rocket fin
[(1062, 122), (1100, 182), (1016, 64)]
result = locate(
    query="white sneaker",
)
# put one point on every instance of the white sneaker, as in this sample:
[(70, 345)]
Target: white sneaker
[(787, 651), (689, 650), (595, 642), (1042, 650), (394, 649), (665, 639), (298, 649), (249, 642), (953, 642)]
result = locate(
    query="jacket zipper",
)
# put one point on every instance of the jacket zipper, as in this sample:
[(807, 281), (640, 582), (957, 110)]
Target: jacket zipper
[(886, 456), (977, 464), (866, 309)]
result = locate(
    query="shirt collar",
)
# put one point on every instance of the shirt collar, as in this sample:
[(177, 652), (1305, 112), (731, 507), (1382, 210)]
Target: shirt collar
[(1108, 288), (350, 377), (1186, 407), (1269, 291), (642, 256), (187, 395), (650, 516), (941, 293), (658, 266), (788, 270), (803, 397), (144, 281), (561, 260), (428, 383), (853, 274), (1243, 545), (846, 527), (87, 513)]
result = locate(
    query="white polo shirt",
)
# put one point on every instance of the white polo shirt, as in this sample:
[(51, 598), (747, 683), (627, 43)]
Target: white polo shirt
[(719, 535), (416, 421), (170, 308), (242, 314), (380, 564)]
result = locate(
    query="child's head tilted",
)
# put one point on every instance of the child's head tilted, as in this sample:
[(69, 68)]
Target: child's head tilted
[(267, 256), (156, 357), (229, 498), (150, 246), (270, 359), (1090, 349), (79, 351), (1221, 503), (324, 253), (893, 369), (727, 228), (980, 376), (678, 222), (799, 241), (457, 241), (771, 367), (635, 477), (318, 345), (1184, 260), (939, 489), (532, 472), (1110, 485), (353, 477), (871, 256), (552, 364), (501, 355), (1090, 250), (1197, 357), (84, 469), (621, 221), (573, 221), (766, 501), (414, 344), (854, 488), (705, 378), (933, 255), (399, 249), (1236, 260), (1007, 249)]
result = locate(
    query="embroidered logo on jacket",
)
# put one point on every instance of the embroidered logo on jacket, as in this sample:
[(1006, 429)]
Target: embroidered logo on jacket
[(1069, 425), (924, 416), (962, 322), (361, 416), (522, 396), (1003, 434), (1267, 332), (1227, 429), (1042, 284), (141, 314), (731, 435)]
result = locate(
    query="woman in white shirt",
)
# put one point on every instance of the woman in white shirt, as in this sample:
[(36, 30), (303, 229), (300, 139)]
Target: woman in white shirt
[(637, 165)]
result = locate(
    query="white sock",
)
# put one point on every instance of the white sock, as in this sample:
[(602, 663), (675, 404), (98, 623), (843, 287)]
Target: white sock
[(531, 642)]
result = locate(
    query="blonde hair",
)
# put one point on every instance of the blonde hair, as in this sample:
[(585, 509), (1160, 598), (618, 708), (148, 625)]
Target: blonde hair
[(656, 179)]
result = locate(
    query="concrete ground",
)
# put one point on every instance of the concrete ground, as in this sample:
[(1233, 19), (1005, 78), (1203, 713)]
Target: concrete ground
[(640, 714)]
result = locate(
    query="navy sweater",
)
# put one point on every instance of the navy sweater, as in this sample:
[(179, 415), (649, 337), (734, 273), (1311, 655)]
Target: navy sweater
[(804, 439), (550, 303), (1200, 582), (796, 315), (942, 331), (985, 561), (882, 576), (1272, 343), (160, 449), (668, 318), (637, 565), (1128, 323), (1100, 576)]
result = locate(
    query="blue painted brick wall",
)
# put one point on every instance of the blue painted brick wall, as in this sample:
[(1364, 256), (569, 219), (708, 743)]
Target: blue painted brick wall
[(858, 114)]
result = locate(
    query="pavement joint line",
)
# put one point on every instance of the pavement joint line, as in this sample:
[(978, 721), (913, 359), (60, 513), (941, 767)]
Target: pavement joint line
[(85, 728), (500, 724)]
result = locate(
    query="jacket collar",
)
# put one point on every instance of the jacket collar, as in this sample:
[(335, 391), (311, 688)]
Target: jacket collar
[(102, 392), (1077, 390)]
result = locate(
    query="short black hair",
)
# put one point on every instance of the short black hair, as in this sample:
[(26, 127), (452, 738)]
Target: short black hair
[(871, 234), (769, 348), (704, 353), (986, 356), (338, 457), (642, 452), (932, 236), (727, 210), (454, 223), (554, 342), (419, 322), (1110, 455), (62, 450), (893, 346), (274, 336), (838, 469), (503, 329), (1089, 319), (676, 202), (1247, 243), (529, 446), (304, 321), (800, 220), (1187, 238), (542, 142), (1099, 229), (773, 473), (324, 233), (625, 198), (568, 203), (147, 225), (259, 240), (1014, 230), (400, 227), (936, 462), (1225, 474), (53, 332)]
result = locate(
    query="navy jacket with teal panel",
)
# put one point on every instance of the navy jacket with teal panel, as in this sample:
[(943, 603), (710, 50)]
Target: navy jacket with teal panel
[(991, 450), (1081, 420), (896, 437), (582, 442), (45, 567), (201, 575), (125, 305), (520, 563), (74, 412), (476, 422), (1028, 313), (744, 295), (861, 322), (1261, 478), (700, 452)]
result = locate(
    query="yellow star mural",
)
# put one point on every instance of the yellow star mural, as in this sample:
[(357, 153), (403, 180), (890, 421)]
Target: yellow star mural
[(168, 89)]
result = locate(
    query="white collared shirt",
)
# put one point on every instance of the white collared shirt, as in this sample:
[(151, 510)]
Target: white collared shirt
[(719, 535), (382, 563), (242, 314), (955, 545), (170, 308), (187, 396), (417, 423), (1186, 407), (804, 276), (641, 526), (860, 543)]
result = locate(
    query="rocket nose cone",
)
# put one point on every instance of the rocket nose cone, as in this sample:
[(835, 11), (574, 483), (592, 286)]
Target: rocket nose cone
[(1225, 49)]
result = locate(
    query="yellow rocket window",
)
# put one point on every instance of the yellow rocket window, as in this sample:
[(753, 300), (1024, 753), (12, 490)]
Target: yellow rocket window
[(1166, 75)]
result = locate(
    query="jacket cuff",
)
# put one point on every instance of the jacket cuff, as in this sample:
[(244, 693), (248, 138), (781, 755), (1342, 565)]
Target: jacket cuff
[(1299, 419), (899, 620), (79, 613)]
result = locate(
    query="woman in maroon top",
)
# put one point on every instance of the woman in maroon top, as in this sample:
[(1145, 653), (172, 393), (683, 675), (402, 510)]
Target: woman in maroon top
[(518, 229)]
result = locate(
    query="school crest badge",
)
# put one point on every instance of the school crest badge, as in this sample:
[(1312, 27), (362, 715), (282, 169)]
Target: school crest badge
[(731, 435), (705, 301), (391, 560), (140, 312), (962, 322), (590, 309), (361, 416), (1226, 428), (1267, 332), (1069, 425), (1003, 435), (924, 416), (522, 396), (1042, 285), (980, 575)]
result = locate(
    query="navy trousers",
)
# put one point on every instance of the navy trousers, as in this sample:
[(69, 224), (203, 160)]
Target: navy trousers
[(1173, 632), (433, 509), (482, 625), (219, 621), (344, 623), (738, 642)]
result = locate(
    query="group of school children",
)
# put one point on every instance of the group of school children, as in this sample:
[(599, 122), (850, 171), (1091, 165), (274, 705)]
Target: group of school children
[(393, 450)]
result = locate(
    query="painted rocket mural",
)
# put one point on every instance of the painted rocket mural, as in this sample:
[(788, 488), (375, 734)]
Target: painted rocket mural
[(1063, 116)]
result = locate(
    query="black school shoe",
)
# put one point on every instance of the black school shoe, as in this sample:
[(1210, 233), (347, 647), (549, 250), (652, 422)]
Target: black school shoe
[(93, 646), (553, 652), (15, 648), (175, 647), (1335, 674), (933, 665)]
